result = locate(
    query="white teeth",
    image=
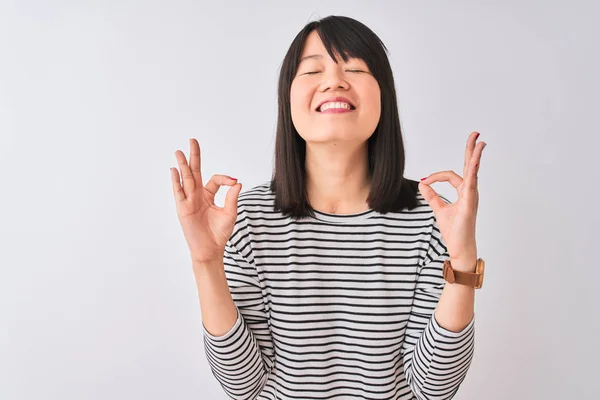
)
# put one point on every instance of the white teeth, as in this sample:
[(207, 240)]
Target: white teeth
[(329, 105)]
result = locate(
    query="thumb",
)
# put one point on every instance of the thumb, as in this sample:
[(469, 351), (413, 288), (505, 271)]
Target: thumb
[(431, 197), (231, 198)]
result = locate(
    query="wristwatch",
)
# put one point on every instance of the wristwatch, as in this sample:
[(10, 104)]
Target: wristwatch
[(472, 279)]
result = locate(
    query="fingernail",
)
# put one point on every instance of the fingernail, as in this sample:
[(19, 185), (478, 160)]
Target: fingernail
[(423, 178), (477, 137), (233, 179)]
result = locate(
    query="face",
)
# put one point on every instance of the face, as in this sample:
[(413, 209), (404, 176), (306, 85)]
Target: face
[(319, 79)]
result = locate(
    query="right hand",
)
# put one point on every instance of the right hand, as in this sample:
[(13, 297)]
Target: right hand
[(206, 227)]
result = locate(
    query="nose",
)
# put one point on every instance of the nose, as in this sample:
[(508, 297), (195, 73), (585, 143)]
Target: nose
[(334, 79)]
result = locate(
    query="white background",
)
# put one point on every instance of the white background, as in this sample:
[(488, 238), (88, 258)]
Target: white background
[(97, 296)]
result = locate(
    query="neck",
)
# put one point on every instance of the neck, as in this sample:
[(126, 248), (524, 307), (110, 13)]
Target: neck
[(337, 182)]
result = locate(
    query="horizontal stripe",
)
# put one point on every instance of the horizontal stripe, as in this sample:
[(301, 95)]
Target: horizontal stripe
[(336, 307)]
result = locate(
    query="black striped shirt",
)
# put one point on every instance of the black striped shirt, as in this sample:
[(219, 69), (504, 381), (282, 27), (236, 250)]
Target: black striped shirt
[(336, 307)]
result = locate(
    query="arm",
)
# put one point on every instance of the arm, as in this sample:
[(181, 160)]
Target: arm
[(219, 312), (436, 359), (455, 309), (237, 338)]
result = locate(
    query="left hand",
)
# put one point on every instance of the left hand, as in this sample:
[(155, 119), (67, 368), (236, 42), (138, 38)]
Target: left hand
[(457, 220)]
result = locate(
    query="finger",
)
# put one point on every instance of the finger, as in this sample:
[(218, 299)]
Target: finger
[(444, 176), (177, 189), (231, 199), (474, 165), (188, 180), (471, 142), (195, 161), (216, 181)]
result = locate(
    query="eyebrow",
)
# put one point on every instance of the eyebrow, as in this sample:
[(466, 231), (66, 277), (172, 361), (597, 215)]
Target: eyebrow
[(311, 56)]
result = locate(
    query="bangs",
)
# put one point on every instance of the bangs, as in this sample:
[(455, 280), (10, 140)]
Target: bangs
[(347, 39)]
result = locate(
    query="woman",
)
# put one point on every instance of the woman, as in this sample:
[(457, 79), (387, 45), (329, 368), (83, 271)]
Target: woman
[(326, 282)]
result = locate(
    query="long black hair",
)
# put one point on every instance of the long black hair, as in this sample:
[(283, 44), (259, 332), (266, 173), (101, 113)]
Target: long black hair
[(390, 191)]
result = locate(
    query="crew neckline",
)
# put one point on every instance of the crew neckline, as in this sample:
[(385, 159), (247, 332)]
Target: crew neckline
[(344, 218)]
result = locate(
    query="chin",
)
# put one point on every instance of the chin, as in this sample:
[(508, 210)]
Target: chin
[(334, 137)]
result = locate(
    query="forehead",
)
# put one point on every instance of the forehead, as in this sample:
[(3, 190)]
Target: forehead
[(313, 43), (314, 46)]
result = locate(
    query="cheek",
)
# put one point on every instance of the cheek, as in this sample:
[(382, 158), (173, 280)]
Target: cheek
[(298, 107), (298, 96), (372, 100)]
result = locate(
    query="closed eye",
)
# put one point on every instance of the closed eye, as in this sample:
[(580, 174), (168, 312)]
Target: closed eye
[(317, 72)]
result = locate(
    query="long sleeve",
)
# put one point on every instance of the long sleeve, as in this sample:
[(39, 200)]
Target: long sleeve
[(436, 360), (242, 359)]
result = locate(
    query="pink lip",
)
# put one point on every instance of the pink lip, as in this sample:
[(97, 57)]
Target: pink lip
[(336, 99)]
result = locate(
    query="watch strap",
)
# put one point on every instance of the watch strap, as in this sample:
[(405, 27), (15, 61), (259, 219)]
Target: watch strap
[(471, 279)]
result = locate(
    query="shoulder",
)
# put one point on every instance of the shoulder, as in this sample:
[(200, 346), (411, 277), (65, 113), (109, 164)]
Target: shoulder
[(254, 204), (257, 199)]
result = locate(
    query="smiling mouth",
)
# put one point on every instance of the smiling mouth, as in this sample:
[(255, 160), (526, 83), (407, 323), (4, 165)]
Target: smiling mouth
[(336, 111), (335, 107)]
